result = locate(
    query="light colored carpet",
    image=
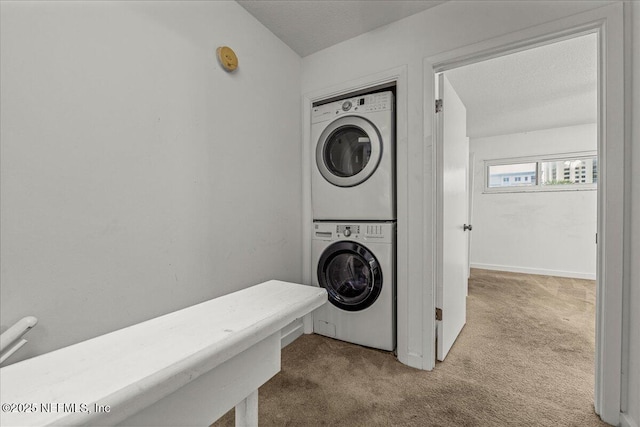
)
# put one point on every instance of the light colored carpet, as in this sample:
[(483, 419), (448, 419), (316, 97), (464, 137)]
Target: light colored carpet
[(525, 358)]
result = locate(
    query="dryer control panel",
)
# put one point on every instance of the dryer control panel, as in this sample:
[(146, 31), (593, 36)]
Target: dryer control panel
[(382, 101)]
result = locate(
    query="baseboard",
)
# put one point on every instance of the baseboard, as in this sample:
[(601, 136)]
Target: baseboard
[(291, 332), (627, 421), (539, 271)]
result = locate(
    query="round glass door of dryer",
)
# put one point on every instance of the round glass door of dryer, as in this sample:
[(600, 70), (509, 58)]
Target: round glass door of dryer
[(348, 151), (351, 275)]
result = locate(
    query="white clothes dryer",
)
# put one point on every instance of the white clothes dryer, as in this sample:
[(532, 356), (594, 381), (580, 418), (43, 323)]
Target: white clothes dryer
[(355, 263), (353, 159)]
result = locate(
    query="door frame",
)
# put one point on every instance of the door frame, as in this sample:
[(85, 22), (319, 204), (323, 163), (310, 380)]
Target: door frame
[(613, 205)]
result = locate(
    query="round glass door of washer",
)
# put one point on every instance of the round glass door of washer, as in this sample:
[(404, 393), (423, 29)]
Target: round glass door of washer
[(351, 275)]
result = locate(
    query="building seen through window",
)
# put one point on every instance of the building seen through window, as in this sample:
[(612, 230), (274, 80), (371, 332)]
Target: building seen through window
[(512, 175), (573, 171)]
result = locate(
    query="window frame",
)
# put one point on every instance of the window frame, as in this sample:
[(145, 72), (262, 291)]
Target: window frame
[(538, 160)]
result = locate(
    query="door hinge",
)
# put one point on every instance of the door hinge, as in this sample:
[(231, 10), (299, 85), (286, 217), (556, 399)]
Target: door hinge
[(438, 105), (596, 238), (438, 314)]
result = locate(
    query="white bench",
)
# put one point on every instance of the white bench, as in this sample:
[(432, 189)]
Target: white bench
[(186, 368)]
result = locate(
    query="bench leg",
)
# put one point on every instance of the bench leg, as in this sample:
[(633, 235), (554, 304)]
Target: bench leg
[(247, 411), (307, 322)]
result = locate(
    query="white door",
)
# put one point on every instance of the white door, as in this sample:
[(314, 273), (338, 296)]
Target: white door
[(470, 190), (452, 202)]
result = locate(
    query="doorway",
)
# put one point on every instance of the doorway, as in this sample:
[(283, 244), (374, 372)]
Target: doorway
[(529, 120), (609, 270), (536, 163)]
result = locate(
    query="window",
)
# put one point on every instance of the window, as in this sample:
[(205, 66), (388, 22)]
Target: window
[(576, 170), (510, 175), (571, 171)]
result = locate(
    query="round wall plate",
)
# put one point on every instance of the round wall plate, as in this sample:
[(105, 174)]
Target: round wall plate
[(227, 58)]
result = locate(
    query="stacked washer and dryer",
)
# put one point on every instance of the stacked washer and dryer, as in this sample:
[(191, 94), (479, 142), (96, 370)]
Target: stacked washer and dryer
[(354, 212)]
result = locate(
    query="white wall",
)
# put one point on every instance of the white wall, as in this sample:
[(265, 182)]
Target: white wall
[(633, 339), (551, 232), (137, 176)]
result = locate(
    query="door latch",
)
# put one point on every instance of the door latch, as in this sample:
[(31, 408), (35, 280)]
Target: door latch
[(466, 227)]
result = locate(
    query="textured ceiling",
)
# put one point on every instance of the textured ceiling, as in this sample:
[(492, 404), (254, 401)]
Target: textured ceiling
[(310, 26), (546, 87)]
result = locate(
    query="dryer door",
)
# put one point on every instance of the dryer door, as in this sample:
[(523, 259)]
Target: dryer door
[(351, 275), (348, 151)]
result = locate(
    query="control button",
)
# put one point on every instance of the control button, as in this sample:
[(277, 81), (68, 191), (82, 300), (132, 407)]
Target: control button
[(346, 105), (347, 232)]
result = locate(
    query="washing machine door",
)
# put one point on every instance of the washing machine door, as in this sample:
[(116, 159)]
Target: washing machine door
[(351, 275), (348, 151)]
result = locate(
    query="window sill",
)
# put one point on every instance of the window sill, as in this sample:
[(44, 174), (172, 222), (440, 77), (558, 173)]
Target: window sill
[(540, 189)]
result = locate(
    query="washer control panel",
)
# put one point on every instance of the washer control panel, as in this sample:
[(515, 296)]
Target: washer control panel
[(361, 231), (347, 230), (382, 101), (374, 230), (378, 232)]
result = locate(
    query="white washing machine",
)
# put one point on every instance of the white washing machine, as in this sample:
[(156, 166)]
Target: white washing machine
[(355, 263), (353, 159)]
